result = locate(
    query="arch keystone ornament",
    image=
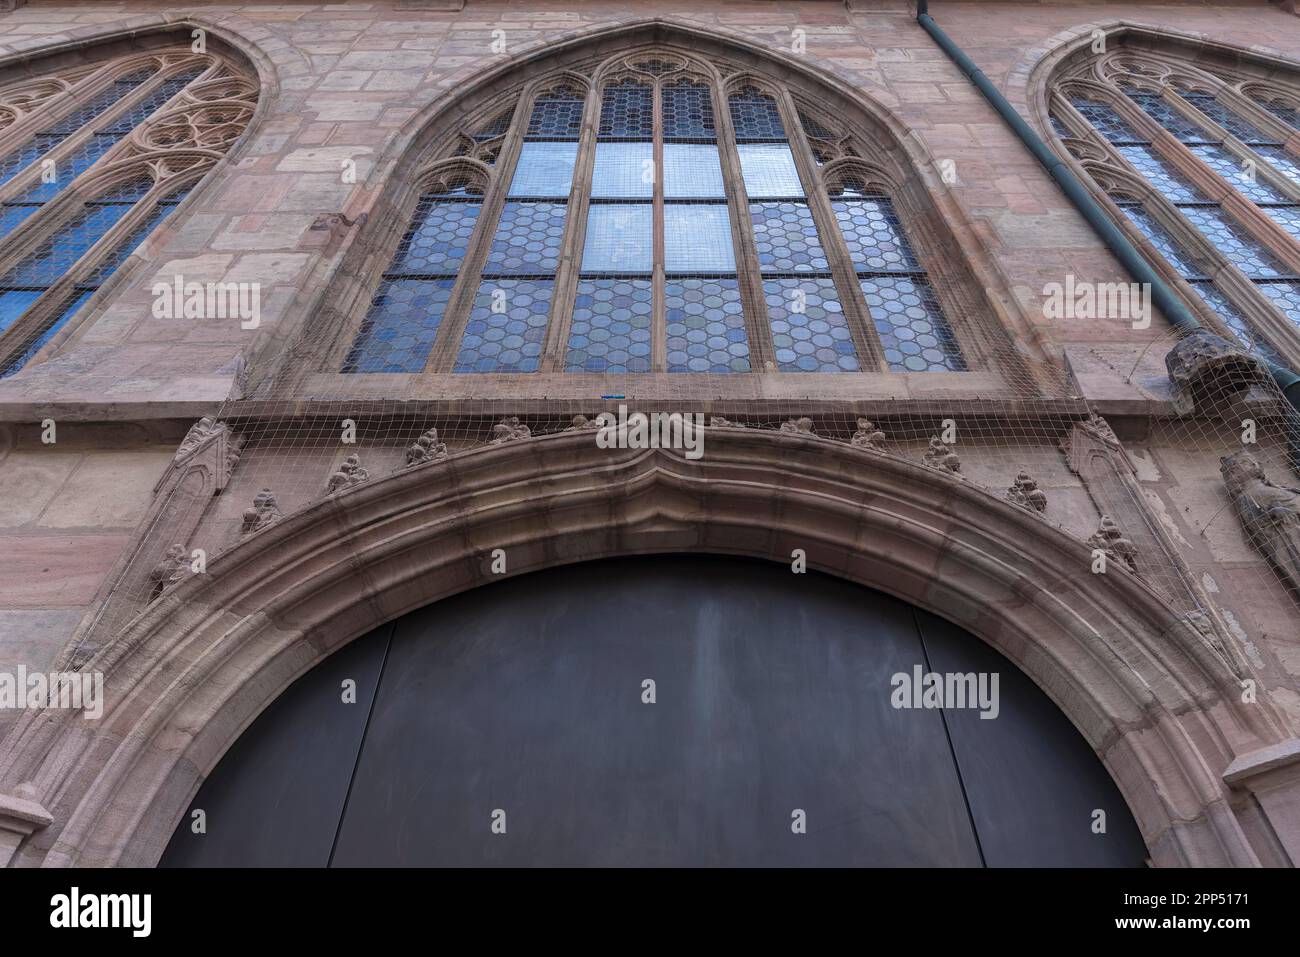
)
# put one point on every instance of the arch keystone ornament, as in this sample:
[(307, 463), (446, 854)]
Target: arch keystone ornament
[(184, 679)]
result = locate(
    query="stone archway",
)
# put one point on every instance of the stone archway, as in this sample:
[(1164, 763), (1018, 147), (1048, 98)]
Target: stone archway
[(190, 673)]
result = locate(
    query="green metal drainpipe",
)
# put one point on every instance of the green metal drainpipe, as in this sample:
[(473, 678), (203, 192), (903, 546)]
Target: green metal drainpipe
[(1165, 299)]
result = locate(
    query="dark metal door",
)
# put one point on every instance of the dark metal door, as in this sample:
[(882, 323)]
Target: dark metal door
[(521, 707)]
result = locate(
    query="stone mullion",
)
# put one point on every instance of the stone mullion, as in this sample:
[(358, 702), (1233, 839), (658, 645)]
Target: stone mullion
[(659, 282), (52, 111), (1252, 112), (861, 326), (565, 287), (762, 354), (18, 337), (442, 356)]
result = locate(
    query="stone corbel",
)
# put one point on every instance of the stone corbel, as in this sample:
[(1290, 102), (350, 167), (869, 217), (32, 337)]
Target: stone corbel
[(20, 817), (1272, 775), (1209, 372)]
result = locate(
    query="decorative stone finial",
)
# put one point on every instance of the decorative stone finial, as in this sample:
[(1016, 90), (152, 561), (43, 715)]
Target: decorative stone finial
[(265, 510), (868, 436), (1109, 537), (942, 457), (350, 473), (1269, 513), (427, 448), (803, 424), (509, 430), (1025, 491)]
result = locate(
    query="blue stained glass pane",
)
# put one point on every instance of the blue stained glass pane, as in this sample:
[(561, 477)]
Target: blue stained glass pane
[(611, 326), (1059, 128), (11, 217), (1160, 174), (1235, 243), (118, 255), (623, 171), (1284, 112), (23, 157), (100, 104), (436, 242), (398, 332), (874, 235), (786, 238), (809, 330), (754, 115), (705, 326), (687, 111), (1106, 121), (627, 109), (692, 171), (154, 100), (557, 116), (544, 170), (913, 332), (697, 238), (1168, 247), (1282, 161), (506, 326), (1158, 108), (60, 251), (768, 170), (527, 239), (68, 311), (1219, 159), (14, 303), (1288, 217), (1286, 296), (1234, 320), (1242, 129), (619, 238), (70, 166)]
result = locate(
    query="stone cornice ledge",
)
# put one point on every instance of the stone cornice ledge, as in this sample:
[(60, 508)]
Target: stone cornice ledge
[(1245, 770)]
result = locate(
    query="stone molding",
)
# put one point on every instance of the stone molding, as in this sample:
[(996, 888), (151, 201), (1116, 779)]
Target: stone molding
[(192, 670)]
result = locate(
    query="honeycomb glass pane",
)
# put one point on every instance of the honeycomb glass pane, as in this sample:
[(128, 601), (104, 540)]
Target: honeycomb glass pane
[(398, 332), (437, 239), (619, 238), (786, 238), (809, 330), (769, 171), (913, 332), (506, 326), (1282, 161), (1106, 121), (705, 326), (69, 309), (1286, 296), (1159, 109), (14, 215), (874, 235), (697, 238), (1160, 174), (1234, 320), (692, 171), (611, 326), (527, 239), (1288, 217), (544, 170), (1283, 111), (1238, 174), (1239, 127), (13, 303), (557, 115), (627, 109), (1235, 243), (754, 115), (687, 111), (1168, 247), (54, 257), (623, 171)]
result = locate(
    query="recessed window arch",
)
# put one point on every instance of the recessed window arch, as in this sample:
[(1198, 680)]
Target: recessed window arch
[(654, 212), (1202, 163), (92, 158)]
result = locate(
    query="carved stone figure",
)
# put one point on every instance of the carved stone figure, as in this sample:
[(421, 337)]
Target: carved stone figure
[(199, 431), (719, 422), (509, 430), (1209, 371), (581, 423), (802, 424), (1269, 513), (1109, 537), (174, 567), (350, 473), (868, 436), (265, 510), (427, 448), (942, 457), (1025, 491)]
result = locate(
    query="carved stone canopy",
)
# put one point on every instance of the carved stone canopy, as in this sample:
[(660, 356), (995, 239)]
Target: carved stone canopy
[(1209, 371)]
